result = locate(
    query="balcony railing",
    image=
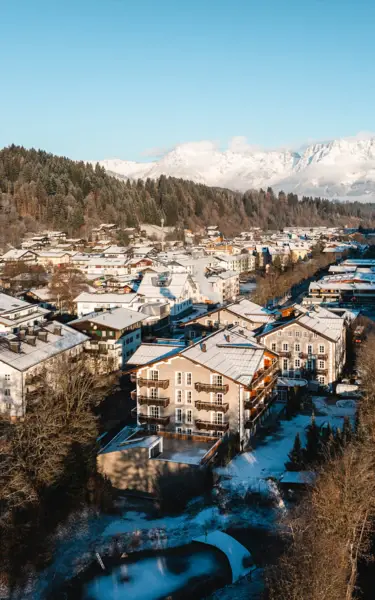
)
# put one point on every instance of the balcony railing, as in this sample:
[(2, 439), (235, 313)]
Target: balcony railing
[(321, 371), (201, 405), (260, 393), (257, 412), (212, 387), (322, 356), (147, 401), (310, 356), (148, 420), (209, 426), (262, 373), (284, 353), (156, 383)]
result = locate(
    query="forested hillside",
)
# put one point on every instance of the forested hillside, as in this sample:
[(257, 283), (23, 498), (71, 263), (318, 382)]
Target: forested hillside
[(42, 190)]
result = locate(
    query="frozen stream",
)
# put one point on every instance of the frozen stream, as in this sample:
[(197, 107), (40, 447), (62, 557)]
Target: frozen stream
[(189, 571)]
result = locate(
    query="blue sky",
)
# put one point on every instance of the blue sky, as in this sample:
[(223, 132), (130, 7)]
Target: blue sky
[(123, 78)]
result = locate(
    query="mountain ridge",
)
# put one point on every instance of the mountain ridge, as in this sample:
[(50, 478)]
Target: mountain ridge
[(339, 169)]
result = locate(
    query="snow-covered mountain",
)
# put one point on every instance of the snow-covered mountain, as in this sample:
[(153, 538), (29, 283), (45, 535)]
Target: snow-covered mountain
[(343, 168)]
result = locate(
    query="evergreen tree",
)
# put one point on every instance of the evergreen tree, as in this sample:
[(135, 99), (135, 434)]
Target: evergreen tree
[(295, 456), (312, 452)]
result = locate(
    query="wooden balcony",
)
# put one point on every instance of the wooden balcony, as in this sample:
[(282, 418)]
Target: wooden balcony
[(148, 420), (156, 383), (321, 371), (260, 393), (212, 387), (263, 373), (322, 356), (147, 401), (284, 353), (257, 412), (201, 405), (209, 426)]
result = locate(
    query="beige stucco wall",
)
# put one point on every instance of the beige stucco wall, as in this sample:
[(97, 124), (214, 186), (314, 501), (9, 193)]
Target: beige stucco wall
[(306, 337), (133, 470), (167, 370)]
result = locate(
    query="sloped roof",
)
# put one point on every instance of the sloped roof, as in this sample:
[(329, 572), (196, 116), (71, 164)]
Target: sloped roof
[(117, 318), (30, 356), (149, 353), (228, 353)]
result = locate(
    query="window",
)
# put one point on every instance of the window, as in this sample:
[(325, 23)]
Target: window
[(219, 399), (178, 415), (321, 349), (217, 379), (309, 365), (309, 349), (305, 333), (178, 378), (189, 416), (188, 378), (285, 347), (8, 406), (189, 431), (321, 380), (285, 364), (297, 363), (137, 335), (188, 397), (219, 418), (298, 334), (273, 347), (7, 392), (279, 333), (153, 392), (290, 332), (219, 433), (7, 377), (315, 335), (179, 430), (179, 396), (154, 411), (321, 364), (298, 347), (154, 375)]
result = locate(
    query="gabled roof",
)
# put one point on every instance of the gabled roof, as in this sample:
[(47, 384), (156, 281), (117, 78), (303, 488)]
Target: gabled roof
[(117, 318), (228, 353), (151, 353)]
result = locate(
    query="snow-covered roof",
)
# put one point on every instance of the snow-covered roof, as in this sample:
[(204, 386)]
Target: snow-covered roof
[(172, 290), (106, 298), (117, 318), (16, 254), (230, 354), (148, 353), (30, 355)]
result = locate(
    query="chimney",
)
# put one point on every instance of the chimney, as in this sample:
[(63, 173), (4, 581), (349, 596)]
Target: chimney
[(57, 329), (15, 346), (31, 339), (22, 334), (42, 336), (203, 348)]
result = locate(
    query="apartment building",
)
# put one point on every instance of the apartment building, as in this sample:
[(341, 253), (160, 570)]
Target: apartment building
[(224, 383), (25, 353), (240, 263), (53, 258), (114, 334), (178, 289), (225, 286), (310, 344)]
